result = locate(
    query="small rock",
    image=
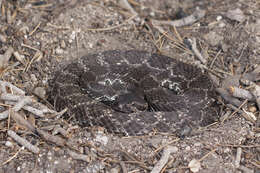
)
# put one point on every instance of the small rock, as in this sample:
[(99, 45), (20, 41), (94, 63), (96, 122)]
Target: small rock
[(227, 150), (55, 39), (59, 51), (40, 91), (73, 35), (9, 144), (252, 108), (187, 148), (236, 14), (194, 165), (197, 144), (63, 44), (90, 45), (219, 18), (257, 136), (152, 13), (33, 78), (3, 38)]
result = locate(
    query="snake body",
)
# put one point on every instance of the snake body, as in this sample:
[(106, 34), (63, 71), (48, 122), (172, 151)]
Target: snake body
[(134, 92)]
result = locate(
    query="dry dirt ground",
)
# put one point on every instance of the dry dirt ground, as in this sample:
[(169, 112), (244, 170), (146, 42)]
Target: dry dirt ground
[(47, 34)]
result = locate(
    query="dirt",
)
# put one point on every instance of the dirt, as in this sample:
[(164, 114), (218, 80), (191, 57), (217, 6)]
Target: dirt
[(64, 30)]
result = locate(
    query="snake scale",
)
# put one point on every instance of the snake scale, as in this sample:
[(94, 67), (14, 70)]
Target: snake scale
[(134, 93)]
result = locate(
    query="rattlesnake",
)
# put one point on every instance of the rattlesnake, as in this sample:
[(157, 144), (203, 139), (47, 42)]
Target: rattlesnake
[(134, 92)]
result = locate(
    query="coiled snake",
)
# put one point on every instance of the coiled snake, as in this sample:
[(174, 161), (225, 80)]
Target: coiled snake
[(135, 92)]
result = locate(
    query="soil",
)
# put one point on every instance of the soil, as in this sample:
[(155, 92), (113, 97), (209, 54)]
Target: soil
[(228, 35)]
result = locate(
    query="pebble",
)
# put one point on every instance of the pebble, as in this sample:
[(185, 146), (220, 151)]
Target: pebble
[(59, 51), (9, 144), (3, 38), (152, 14), (219, 18), (194, 165), (63, 44), (227, 150), (33, 78), (187, 148), (197, 144), (40, 91), (252, 108), (72, 36)]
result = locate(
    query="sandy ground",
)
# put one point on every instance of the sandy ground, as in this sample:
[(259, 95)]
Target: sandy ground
[(63, 30)]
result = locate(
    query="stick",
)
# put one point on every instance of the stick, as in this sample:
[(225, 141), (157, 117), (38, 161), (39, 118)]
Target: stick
[(23, 142), (21, 121), (129, 7), (240, 93), (78, 156), (196, 51), (238, 157), (226, 96), (163, 161), (195, 16), (15, 89), (5, 57)]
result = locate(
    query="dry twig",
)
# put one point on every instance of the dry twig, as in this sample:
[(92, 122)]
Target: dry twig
[(20, 101), (14, 89), (122, 164), (129, 7), (238, 157), (31, 33), (6, 56), (164, 159), (11, 158), (23, 142), (50, 138), (78, 156), (58, 129), (21, 121), (196, 51), (227, 97), (240, 93), (195, 16), (236, 110)]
